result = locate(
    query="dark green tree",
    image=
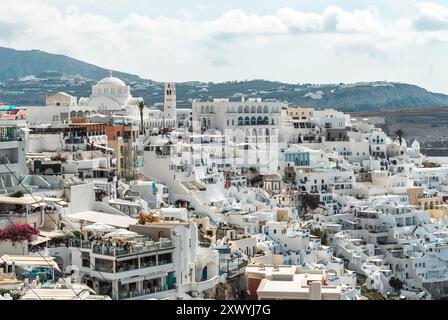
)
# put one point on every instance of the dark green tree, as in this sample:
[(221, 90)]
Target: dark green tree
[(396, 284), (309, 201), (399, 134), (141, 106)]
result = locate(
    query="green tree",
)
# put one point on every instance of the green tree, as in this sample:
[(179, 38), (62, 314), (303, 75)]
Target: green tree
[(396, 284), (324, 239), (309, 201), (15, 295), (141, 106), (321, 234), (399, 134)]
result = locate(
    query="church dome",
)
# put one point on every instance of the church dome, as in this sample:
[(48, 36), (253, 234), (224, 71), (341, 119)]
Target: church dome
[(111, 82), (111, 87)]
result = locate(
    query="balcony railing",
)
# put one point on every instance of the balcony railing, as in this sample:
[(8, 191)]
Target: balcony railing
[(144, 292), (114, 250), (78, 243), (254, 124)]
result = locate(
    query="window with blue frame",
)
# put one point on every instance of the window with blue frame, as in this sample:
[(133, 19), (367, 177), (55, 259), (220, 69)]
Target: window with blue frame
[(299, 158)]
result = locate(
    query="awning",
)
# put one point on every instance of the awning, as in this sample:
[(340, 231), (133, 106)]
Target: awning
[(159, 275), (21, 201), (105, 169), (39, 240), (30, 261), (102, 147), (131, 280), (62, 203), (38, 204), (53, 234)]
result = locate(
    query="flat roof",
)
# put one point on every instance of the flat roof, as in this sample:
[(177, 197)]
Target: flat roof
[(167, 210), (268, 270), (56, 294), (124, 202), (295, 289), (105, 218)]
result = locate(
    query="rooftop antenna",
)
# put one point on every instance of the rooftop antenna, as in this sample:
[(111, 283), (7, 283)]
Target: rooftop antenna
[(110, 73)]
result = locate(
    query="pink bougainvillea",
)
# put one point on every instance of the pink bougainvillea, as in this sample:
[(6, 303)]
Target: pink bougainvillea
[(18, 232)]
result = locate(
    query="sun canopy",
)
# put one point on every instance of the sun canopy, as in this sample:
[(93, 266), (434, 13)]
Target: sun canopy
[(105, 218), (99, 227), (121, 233), (53, 234), (30, 261), (31, 201), (10, 108)]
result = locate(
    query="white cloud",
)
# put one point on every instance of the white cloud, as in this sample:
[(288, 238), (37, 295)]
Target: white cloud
[(162, 47), (431, 16)]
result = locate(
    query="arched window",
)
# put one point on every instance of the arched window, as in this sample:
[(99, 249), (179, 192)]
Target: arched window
[(267, 131), (265, 109), (240, 109), (259, 120), (73, 114), (246, 109), (240, 121), (253, 121), (212, 109), (246, 121), (259, 109), (265, 120), (202, 109), (87, 114), (207, 109), (252, 109), (79, 114)]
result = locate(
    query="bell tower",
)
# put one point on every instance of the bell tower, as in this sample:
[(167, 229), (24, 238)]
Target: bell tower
[(169, 104)]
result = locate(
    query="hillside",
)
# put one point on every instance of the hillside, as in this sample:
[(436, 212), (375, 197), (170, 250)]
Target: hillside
[(26, 77), (19, 63)]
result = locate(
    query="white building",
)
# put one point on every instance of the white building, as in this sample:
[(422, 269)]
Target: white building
[(60, 99), (12, 153), (252, 117), (109, 95)]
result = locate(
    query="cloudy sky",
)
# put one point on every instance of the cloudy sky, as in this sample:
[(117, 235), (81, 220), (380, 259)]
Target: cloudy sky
[(306, 41)]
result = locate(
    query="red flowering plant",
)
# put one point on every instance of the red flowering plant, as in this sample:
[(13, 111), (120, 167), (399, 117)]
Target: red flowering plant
[(18, 233)]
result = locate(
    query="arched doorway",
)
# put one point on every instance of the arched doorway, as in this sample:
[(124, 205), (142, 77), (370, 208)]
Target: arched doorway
[(204, 273)]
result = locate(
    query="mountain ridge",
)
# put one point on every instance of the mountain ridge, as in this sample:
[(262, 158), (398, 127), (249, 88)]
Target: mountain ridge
[(11, 66), (27, 76)]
